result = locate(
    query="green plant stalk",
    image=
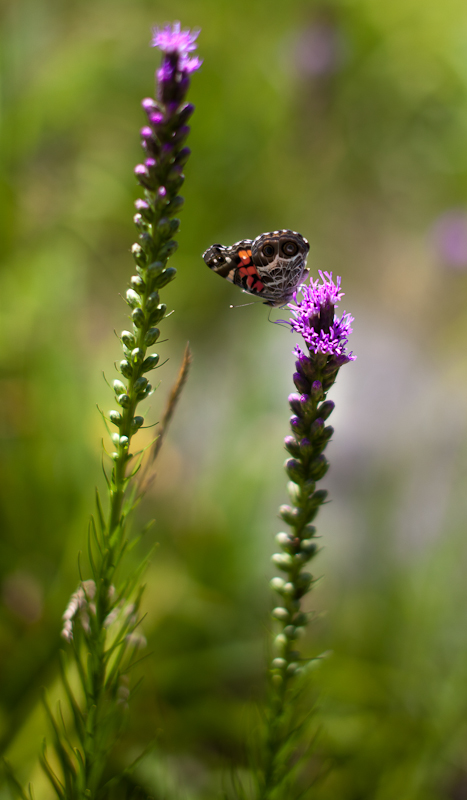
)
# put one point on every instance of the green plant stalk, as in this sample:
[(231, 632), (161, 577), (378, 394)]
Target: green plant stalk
[(98, 620), (308, 465)]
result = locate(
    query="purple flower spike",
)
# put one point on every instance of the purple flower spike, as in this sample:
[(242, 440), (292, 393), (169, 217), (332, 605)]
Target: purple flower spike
[(314, 318), (177, 65)]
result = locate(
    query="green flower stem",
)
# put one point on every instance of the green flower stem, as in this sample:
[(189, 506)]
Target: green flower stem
[(307, 466), (100, 621)]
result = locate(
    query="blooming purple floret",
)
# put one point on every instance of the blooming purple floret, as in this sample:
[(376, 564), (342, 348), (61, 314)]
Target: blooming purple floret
[(170, 39), (176, 45), (313, 317)]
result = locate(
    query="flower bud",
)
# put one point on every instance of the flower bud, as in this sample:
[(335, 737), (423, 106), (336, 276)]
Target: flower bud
[(316, 428), (174, 226), (161, 198), (277, 584), (289, 631), (297, 424), (142, 205), (125, 368), (124, 442), (128, 338), (185, 113), (326, 409), (317, 391), (151, 336), (183, 156), (146, 240), (294, 403), (292, 446), (156, 118), (149, 105), (136, 423), (289, 589), (175, 178), (301, 383), (308, 546), (138, 254), (115, 417), (150, 362), (137, 355), (138, 283), (294, 469), (283, 561), (146, 393), (318, 468), (305, 446), (280, 642), (288, 514), (152, 301), (175, 205), (284, 540), (304, 581), (123, 400), (279, 663), (141, 171), (280, 613), (158, 313), (309, 531), (294, 492), (140, 385), (170, 247), (163, 227), (115, 438), (327, 433), (165, 277), (138, 317), (119, 387), (132, 298), (316, 499), (155, 268)]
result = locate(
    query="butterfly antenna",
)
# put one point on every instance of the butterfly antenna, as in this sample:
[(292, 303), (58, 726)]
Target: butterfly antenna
[(244, 305)]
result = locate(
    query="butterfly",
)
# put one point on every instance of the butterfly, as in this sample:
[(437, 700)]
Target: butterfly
[(271, 267)]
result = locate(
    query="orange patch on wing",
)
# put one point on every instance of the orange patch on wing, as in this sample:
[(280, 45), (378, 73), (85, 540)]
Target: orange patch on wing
[(259, 286), (245, 256), (242, 271), (250, 281)]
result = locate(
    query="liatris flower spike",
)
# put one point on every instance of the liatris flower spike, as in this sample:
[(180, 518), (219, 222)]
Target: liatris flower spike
[(326, 338), (102, 618)]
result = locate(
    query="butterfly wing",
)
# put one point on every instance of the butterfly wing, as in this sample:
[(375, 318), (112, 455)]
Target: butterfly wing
[(227, 260), (280, 259), (270, 266)]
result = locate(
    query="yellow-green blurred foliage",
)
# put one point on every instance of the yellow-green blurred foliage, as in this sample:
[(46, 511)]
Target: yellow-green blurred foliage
[(345, 120)]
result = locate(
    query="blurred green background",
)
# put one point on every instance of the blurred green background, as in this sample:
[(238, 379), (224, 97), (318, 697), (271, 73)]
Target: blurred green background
[(345, 120)]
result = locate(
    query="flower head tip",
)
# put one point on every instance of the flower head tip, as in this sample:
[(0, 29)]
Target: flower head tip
[(314, 318)]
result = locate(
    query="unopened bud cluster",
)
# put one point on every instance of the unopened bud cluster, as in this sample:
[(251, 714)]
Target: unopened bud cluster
[(160, 176), (305, 467), (326, 338)]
